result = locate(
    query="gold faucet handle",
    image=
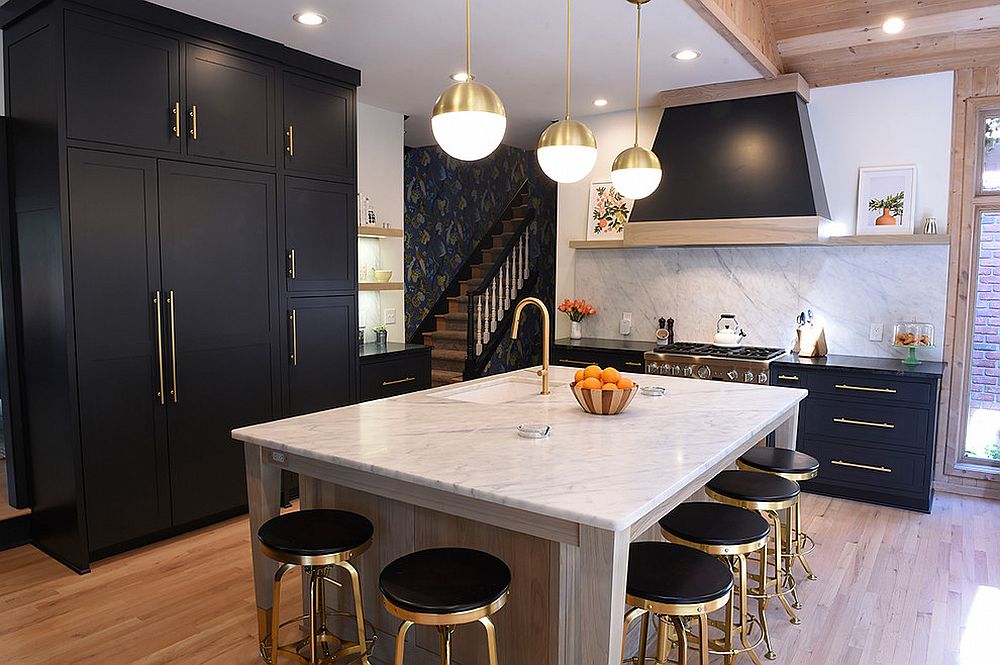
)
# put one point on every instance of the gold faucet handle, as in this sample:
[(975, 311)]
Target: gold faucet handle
[(542, 372)]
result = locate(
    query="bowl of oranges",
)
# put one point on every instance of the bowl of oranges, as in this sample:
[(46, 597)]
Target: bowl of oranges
[(603, 392)]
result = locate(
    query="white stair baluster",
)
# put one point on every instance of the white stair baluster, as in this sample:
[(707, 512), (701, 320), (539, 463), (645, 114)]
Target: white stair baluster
[(479, 326), (493, 306)]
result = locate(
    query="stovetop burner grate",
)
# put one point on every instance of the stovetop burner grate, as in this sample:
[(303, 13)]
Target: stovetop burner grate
[(711, 350)]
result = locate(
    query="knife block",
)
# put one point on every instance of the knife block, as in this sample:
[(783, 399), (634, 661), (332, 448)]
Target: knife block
[(810, 341)]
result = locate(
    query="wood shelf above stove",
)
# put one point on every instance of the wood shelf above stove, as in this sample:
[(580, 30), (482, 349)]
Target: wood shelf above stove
[(838, 241)]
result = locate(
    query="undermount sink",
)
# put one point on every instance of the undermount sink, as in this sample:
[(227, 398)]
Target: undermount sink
[(497, 392)]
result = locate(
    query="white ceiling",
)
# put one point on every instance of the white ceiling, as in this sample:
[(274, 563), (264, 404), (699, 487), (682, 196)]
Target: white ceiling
[(407, 49)]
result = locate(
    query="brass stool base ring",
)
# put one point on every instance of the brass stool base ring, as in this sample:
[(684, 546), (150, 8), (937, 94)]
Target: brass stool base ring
[(341, 647), (716, 646)]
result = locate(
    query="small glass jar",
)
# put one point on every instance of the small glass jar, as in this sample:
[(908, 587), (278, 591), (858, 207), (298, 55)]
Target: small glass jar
[(913, 334)]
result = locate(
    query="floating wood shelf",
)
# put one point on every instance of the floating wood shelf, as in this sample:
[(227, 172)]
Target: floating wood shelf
[(380, 286), (379, 232), (839, 241)]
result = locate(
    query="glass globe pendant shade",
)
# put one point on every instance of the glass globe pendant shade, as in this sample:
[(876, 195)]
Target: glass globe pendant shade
[(469, 121), (567, 151), (636, 173)]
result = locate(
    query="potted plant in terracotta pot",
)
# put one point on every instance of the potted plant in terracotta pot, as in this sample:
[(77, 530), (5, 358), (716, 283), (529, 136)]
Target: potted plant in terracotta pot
[(576, 310), (891, 207)]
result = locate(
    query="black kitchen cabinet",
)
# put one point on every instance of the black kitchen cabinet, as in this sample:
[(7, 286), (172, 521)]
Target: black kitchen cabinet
[(230, 106), (320, 235), (623, 355), (395, 369), (319, 127), (122, 85), (321, 376)]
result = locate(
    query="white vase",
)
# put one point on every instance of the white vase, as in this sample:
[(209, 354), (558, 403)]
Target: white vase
[(575, 330)]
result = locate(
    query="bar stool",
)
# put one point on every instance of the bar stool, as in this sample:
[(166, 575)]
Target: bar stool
[(791, 465), (768, 495), (317, 540), (730, 534), (445, 587), (673, 582)]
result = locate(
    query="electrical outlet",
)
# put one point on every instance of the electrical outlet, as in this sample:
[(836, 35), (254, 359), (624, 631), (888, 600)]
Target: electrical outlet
[(875, 332), (390, 317), (626, 316)]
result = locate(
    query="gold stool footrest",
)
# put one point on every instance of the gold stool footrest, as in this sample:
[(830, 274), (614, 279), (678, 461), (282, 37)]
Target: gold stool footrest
[(344, 647), (717, 646)]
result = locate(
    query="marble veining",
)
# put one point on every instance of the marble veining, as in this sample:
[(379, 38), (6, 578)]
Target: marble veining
[(602, 471), (766, 287)]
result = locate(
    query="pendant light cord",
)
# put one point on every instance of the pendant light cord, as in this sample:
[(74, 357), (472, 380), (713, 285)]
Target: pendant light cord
[(468, 40), (569, 10), (638, 51)]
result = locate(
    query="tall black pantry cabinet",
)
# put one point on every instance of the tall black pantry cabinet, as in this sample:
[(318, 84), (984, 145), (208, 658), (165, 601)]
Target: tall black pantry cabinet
[(185, 231)]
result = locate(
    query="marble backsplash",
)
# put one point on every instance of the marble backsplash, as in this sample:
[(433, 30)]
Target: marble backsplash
[(848, 288)]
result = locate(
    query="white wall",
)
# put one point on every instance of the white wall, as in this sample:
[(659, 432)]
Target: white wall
[(894, 121), (380, 178)]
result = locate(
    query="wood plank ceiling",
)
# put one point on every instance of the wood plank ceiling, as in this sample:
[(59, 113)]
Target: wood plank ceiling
[(830, 42)]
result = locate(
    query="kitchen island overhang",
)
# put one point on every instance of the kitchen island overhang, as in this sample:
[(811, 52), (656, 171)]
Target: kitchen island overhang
[(441, 465)]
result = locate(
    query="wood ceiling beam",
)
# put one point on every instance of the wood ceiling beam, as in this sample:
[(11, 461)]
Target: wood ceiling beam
[(745, 25)]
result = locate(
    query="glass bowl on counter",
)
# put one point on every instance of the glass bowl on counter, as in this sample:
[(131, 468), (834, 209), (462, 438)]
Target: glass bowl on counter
[(913, 335)]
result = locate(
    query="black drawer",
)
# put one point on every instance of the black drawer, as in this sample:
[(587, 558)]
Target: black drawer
[(623, 361), (871, 468), (789, 378), (871, 387), (395, 376), (876, 423)]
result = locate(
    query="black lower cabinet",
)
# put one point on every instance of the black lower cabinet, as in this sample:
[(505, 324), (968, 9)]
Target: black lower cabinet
[(396, 373), (323, 356)]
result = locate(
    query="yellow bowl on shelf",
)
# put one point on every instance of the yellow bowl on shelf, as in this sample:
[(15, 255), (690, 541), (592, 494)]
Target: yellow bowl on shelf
[(382, 275), (604, 402)]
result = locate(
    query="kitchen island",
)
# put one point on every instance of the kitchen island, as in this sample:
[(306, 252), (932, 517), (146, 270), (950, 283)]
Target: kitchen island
[(446, 467)]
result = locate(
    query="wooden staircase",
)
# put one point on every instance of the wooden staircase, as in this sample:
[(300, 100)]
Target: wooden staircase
[(450, 336)]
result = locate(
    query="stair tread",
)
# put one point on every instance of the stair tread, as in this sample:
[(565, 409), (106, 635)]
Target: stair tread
[(444, 375), (448, 354), (447, 334), (453, 316)]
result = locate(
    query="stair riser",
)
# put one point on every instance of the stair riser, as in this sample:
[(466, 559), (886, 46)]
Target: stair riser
[(452, 324), (447, 344), (448, 365), (458, 307)]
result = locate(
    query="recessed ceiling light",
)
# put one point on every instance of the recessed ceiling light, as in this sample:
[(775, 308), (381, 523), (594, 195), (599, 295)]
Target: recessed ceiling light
[(893, 26), (600, 102), (687, 54), (309, 18), (460, 77)]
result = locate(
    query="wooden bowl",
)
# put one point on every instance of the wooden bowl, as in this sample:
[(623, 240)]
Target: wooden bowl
[(604, 402)]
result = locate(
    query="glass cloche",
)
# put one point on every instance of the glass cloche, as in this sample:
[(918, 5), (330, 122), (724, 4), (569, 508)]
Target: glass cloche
[(913, 335)]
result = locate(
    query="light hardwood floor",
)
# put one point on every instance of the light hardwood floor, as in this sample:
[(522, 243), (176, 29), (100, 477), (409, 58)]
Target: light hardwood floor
[(894, 587)]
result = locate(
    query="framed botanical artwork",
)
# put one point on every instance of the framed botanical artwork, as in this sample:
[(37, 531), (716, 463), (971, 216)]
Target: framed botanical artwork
[(607, 213), (886, 199)]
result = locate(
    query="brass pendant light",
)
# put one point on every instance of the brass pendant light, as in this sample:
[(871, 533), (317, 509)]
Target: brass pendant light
[(567, 150), (636, 172), (469, 119)]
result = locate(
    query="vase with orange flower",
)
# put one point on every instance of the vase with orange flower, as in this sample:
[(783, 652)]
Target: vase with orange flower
[(576, 310)]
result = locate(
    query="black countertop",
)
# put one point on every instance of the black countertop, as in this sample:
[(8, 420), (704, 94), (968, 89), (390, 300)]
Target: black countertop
[(371, 350), (890, 366), (595, 344)]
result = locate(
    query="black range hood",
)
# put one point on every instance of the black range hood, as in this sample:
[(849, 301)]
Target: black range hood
[(735, 171)]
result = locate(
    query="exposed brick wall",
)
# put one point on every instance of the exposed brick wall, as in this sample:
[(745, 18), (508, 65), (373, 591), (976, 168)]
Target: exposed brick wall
[(985, 392)]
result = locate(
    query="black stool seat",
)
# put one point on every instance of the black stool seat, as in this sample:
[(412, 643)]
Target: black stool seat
[(753, 486), (715, 524), (675, 574), (780, 460), (315, 532), (446, 580)]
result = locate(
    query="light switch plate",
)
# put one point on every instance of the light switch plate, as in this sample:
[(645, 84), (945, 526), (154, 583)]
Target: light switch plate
[(875, 332), (390, 317)]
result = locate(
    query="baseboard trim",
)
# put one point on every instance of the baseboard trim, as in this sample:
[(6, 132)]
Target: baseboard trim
[(967, 490), (15, 531)]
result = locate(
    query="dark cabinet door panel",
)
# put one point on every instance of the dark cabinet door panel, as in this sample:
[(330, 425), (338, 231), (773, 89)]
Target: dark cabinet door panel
[(218, 229), (321, 116), (321, 228), (231, 105), (885, 470), (122, 85), (113, 227), (323, 353), (876, 423), (396, 375)]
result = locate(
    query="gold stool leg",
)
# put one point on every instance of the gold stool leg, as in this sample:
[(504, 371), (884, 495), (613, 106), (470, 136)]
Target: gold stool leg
[(491, 639), (788, 560), (445, 633), (275, 611), (779, 568), (729, 643), (682, 641), (662, 644), (762, 601), (799, 540), (630, 617), (703, 638), (741, 560), (359, 609), (401, 641), (643, 639)]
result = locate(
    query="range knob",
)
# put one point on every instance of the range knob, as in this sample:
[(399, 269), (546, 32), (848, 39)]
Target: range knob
[(665, 369), (762, 377), (749, 376), (687, 371), (652, 368), (733, 375), (677, 370), (704, 372)]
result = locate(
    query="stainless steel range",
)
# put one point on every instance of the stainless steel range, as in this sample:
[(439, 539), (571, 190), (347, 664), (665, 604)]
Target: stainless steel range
[(743, 364)]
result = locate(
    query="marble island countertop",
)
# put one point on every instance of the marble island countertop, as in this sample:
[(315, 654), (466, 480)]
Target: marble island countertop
[(604, 471)]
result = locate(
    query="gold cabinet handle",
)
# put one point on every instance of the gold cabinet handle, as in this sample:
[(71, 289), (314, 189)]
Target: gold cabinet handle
[(173, 346), (576, 362), (632, 364), (176, 129), (866, 467), (397, 381), (295, 340), (848, 421), (291, 141), (291, 263), (889, 391), (783, 377), (159, 345), (194, 123)]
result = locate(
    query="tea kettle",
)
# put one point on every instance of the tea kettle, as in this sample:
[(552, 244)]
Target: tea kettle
[(728, 331)]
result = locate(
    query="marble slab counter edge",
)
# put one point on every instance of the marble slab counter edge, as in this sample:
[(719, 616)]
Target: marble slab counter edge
[(883, 366), (597, 344), (373, 351)]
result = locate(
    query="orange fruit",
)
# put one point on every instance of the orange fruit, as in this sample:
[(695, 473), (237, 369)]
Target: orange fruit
[(610, 375), (591, 383), (625, 384), (579, 376), (592, 372), (610, 386)]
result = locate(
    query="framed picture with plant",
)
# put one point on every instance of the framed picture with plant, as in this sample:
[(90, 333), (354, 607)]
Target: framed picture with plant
[(886, 199), (607, 213)]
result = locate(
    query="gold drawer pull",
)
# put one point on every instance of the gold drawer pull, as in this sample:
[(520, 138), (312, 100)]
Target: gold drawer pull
[(888, 391), (392, 383), (632, 364), (783, 377), (575, 362), (861, 466), (848, 421)]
